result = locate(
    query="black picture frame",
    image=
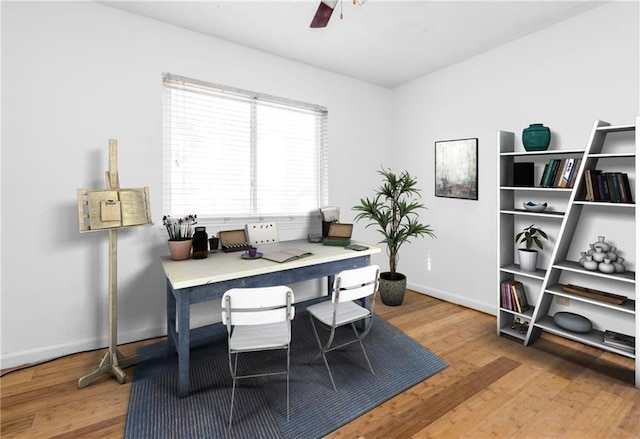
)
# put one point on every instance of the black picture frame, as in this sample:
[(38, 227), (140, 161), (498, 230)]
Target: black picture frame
[(456, 168)]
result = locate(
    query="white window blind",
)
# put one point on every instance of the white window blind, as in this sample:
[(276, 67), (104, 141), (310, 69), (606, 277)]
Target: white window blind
[(230, 153)]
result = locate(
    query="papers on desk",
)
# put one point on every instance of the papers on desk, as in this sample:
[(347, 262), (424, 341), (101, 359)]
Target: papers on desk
[(290, 254)]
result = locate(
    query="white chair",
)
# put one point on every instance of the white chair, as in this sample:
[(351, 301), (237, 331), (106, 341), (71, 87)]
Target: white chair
[(257, 319), (358, 284)]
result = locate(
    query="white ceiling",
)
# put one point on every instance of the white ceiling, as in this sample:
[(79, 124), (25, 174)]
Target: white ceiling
[(385, 42)]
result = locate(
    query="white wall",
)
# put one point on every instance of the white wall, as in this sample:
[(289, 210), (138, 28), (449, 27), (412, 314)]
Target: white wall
[(565, 76), (77, 74)]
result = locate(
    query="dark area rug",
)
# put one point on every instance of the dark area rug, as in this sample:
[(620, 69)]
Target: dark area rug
[(155, 411)]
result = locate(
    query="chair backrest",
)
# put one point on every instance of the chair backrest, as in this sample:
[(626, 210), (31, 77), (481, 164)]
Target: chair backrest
[(257, 306), (356, 284)]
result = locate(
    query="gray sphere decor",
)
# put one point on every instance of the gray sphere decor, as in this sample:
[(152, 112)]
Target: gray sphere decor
[(392, 291), (572, 322)]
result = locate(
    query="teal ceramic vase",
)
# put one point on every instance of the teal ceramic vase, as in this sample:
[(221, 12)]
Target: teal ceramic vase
[(536, 137)]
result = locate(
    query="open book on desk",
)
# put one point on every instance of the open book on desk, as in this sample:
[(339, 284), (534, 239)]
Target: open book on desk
[(290, 254)]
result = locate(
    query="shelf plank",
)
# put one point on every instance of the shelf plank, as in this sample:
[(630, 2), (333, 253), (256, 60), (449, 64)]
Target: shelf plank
[(594, 338), (528, 314), (542, 153), (612, 155), (617, 128), (536, 188), (512, 332), (515, 269), (627, 276), (628, 306), (550, 214), (605, 204)]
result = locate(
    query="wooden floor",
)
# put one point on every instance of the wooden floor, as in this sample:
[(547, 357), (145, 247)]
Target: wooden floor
[(493, 388)]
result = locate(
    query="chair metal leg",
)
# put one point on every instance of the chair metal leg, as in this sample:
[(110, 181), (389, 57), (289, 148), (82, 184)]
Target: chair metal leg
[(233, 389), (288, 369), (323, 350), (363, 349)]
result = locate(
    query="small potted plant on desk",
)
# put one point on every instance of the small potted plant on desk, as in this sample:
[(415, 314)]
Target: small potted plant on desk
[(529, 257), (395, 211), (180, 232)]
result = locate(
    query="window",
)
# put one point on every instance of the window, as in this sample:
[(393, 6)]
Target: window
[(231, 153)]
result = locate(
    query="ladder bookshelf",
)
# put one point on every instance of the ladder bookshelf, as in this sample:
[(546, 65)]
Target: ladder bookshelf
[(609, 148)]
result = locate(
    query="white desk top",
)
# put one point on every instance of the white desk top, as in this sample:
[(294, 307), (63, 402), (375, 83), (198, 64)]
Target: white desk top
[(222, 266)]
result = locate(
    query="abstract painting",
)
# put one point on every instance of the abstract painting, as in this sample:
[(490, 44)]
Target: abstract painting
[(457, 168)]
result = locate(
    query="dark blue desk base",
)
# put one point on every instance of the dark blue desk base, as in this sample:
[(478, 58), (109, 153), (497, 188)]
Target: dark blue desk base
[(179, 301)]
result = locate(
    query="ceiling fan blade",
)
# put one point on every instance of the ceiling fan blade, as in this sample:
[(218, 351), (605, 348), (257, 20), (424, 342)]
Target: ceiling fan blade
[(323, 14)]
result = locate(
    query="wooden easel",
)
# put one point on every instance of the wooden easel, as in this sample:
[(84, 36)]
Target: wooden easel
[(113, 361)]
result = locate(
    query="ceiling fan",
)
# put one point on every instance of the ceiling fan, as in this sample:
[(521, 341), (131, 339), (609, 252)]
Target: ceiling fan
[(325, 9)]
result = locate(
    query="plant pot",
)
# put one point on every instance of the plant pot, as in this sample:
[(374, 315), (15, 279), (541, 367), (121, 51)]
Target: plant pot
[(528, 259), (392, 290), (180, 250)]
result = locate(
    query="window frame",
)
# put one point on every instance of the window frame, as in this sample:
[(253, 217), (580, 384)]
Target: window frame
[(175, 82)]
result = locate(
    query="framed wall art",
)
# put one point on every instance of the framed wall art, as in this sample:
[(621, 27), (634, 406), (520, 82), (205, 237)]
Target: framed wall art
[(457, 168)]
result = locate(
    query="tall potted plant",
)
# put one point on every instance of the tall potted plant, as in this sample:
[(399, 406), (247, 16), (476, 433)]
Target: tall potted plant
[(394, 210), (528, 256)]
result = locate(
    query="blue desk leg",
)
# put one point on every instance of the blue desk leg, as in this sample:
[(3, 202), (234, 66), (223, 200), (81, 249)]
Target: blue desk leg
[(183, 300), (171, 320)]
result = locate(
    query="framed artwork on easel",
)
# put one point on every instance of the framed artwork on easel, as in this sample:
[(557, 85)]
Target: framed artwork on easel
[(456, 163)]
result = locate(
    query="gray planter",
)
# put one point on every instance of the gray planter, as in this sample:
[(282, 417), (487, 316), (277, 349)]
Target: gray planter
[(392, 291)]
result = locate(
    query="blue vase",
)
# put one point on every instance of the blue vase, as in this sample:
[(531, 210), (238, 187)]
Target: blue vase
[(536, 137)]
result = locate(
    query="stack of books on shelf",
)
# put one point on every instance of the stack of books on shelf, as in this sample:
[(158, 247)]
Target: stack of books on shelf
[(607, 186), (620, 341), (560, 172), (512, 296)]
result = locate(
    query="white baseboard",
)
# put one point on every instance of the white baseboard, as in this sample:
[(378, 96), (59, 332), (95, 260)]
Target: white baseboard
[(41, 355), (453, 298)]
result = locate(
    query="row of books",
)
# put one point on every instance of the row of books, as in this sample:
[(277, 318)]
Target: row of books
[(621, 341), (608, 186), (512, 296), (560, 172)]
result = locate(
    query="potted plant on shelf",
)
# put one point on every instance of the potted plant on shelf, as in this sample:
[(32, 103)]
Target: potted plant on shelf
[(180, 232), (394, 209), (529, 257)]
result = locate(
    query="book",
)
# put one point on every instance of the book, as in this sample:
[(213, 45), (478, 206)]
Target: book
[(134, 207), (99, 200), (625, 188), (548, 171), (557, 178), (520, 297), (566, 176), (114, 208), (574, 172), (616, 188), (621, 341), (512, 296), (588, 184), (544, 172), (290, 254), (608, 181), (552, 174), (603, 192), (505, 287)]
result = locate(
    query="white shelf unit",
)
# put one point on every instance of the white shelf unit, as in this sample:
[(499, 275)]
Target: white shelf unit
[(512, 217), (561, 268)]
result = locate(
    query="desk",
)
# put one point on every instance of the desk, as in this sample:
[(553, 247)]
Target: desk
[(200, 280)]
